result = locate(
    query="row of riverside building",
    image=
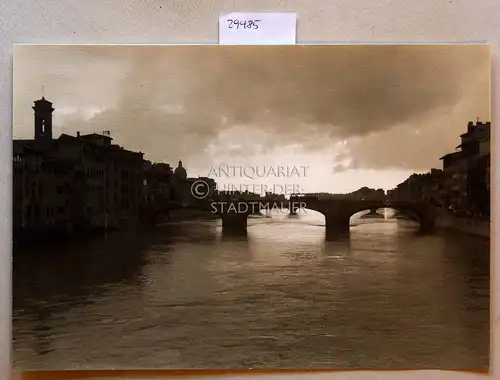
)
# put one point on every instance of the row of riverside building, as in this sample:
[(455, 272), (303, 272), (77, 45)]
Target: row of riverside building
[(463, 184), (85, 181)]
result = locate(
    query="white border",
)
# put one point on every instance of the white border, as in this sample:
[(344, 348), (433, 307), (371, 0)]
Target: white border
[(195, 21)]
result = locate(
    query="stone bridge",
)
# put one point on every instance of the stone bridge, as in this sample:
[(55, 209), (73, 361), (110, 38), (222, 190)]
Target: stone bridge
[(234, 213), (337, 212)]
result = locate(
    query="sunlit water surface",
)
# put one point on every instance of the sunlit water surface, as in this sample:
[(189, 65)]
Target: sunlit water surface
[(183, 296)]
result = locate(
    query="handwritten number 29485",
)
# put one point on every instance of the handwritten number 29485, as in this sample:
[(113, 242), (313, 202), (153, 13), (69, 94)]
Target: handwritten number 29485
[(246, 24)]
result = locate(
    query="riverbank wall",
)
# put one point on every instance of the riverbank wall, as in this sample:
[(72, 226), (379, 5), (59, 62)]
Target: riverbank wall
[(473, 226)]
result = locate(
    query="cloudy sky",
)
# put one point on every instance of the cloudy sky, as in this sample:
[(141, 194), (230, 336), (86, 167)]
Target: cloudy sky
[(343, 116)]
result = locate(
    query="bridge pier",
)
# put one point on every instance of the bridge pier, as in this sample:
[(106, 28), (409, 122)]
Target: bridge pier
[(373, 211), (337, 227), (234, 223)]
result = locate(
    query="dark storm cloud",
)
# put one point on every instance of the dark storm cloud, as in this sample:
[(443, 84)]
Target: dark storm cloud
[(350, 90), (172, 101)]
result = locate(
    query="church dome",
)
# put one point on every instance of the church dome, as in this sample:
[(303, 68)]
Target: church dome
[(180, 172)]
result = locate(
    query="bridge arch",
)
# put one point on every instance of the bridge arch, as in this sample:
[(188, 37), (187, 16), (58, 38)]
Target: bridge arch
[(234, 214), (418, 212), (409, 213), (371, 212), (339, 211), (412, 212)]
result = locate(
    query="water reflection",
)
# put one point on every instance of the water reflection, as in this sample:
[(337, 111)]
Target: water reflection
[(234, 235), (72, 271), (282, 295), (42, 332)]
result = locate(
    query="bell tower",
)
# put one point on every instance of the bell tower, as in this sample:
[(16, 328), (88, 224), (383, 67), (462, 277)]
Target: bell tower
[(43, 119)]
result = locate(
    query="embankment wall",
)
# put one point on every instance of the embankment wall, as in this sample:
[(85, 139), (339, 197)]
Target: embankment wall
[(465, 224)]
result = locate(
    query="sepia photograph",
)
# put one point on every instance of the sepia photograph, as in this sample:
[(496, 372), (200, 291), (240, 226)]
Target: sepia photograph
[(264, 207)]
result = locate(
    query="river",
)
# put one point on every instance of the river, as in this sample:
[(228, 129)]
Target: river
[(185, 296)]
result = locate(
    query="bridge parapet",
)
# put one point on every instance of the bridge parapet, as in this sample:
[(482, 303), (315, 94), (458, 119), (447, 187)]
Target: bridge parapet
[(337, 212)]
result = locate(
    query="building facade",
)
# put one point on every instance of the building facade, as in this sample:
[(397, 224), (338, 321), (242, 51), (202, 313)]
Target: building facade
[(468, 171), (74, 182), (42, 189), (463, 185), (183, 187), (158, 182)]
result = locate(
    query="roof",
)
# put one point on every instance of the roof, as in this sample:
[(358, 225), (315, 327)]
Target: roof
[(32, 145), (451, 154), (92, 135), (67, 137), (20, 146), (43, 101)]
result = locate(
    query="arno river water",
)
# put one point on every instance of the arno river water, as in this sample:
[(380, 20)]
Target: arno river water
[(183, 296)]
